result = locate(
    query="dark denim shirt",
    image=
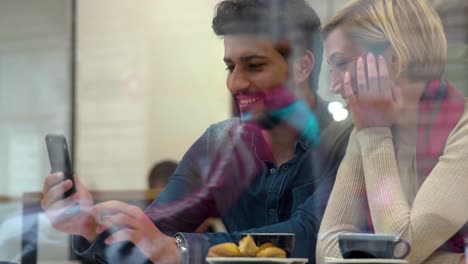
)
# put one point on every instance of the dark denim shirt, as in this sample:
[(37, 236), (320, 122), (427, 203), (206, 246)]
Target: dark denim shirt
[(286, 199)]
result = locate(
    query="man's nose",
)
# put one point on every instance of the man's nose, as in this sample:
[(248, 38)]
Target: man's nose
[(238, 82)]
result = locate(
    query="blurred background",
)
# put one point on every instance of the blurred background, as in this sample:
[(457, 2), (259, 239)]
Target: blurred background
[(129, 83)]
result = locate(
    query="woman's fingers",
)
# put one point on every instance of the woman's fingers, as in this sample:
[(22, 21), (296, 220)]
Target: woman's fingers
[(361, 78), (386, 85), (373, 77), (349, 93)]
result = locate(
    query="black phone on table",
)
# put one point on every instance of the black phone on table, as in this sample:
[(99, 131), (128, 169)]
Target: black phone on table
[(59, 158)]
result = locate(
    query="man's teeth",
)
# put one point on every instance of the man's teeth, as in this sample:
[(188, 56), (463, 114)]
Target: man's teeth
[(250, 101)]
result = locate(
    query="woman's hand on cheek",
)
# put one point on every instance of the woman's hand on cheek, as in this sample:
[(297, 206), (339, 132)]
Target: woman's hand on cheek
[(130, 223), (378, 100)]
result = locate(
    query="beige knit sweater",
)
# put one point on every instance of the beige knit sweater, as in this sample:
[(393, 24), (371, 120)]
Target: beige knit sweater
[(381, 163)]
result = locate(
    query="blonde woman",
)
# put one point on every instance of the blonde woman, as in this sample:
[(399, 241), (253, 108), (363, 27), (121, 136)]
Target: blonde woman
[(405, 171)]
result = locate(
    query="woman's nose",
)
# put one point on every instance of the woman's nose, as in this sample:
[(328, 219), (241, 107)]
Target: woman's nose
[(336, 84)]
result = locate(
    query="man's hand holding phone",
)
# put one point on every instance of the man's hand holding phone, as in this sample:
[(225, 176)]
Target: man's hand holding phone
[(71, 214)]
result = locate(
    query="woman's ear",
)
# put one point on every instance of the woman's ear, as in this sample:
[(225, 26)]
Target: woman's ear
[(303, 67)]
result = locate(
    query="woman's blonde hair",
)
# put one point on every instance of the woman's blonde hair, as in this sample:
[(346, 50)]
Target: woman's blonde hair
[(411, 27)]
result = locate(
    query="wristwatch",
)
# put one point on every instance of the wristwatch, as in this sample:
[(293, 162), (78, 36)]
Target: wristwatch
[(182, 246)]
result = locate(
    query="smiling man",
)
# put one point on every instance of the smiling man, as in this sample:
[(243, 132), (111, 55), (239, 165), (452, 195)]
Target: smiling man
[(264, 172)]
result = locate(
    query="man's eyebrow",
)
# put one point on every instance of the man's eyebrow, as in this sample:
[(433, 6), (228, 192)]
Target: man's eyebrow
[(245, 58), (251, 57)]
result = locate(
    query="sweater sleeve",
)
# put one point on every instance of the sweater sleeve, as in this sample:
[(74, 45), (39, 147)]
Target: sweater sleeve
[(345, 211), (440, 207), (440, 257)]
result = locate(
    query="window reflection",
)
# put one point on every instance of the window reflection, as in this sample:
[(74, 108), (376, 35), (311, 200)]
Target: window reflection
[(141, 82)]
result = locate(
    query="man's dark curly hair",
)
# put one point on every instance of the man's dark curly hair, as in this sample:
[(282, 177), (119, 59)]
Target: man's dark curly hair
[(291, 20)]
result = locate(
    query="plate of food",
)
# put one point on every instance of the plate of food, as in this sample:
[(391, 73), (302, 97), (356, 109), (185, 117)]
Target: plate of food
[(255, 260), (364, 261), (256, 248)]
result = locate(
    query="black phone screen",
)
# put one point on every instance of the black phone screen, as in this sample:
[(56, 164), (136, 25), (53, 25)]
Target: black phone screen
[(59, 158)]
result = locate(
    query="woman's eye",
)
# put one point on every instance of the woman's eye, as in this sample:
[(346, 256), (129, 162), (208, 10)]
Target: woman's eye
[(341, 64), (230, 68)]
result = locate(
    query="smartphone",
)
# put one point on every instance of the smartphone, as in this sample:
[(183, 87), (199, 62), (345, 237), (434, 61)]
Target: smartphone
[(59, 158), (378, 48)]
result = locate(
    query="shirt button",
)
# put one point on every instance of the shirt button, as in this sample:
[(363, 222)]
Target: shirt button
[(272, 212), (285, 166), (272, 170)]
